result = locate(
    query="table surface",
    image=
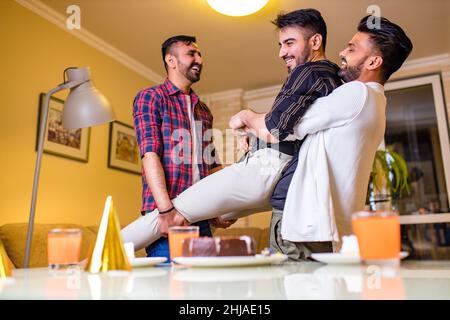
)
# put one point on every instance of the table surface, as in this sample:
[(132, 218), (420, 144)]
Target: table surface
[(290, 280)]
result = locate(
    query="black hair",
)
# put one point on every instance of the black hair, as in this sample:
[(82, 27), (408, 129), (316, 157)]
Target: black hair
[(309, 19), (167, 45), (390, 40)]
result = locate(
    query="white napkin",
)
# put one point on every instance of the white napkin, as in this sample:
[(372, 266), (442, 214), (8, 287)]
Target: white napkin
[(350, 245)]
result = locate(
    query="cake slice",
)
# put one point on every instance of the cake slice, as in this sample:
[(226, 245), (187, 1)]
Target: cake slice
[(219, 246)]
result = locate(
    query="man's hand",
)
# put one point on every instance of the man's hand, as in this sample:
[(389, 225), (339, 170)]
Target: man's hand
[(250, 122), (242, 144), (237, 121), (220, 222), (172, 218)]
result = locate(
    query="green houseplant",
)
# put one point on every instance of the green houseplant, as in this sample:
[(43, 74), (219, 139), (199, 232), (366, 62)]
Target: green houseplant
[(388, 179)]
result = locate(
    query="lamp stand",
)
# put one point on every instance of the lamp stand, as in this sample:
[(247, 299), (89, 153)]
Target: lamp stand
[(37, 169)]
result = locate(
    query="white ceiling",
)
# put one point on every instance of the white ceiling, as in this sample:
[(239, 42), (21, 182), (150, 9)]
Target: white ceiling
[(242, 52)]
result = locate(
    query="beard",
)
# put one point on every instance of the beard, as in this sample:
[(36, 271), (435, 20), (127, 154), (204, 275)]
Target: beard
[(350, 73), (191, 75), (303, 57)]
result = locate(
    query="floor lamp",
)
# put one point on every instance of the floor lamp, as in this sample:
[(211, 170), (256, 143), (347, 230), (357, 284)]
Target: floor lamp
[(85, 107)]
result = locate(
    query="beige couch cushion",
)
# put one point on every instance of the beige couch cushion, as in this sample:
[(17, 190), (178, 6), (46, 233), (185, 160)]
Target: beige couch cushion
[(14, 238), (264, 240)]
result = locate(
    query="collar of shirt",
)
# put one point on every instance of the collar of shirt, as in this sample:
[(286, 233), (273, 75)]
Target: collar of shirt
[(173, 90)]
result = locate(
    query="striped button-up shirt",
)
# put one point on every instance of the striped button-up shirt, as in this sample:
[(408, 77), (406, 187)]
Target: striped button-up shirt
[(304, 85), (162, 125)]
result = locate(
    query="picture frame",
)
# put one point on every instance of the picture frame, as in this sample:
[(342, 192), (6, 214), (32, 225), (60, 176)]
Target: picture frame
[(123, 151), (69, 144)]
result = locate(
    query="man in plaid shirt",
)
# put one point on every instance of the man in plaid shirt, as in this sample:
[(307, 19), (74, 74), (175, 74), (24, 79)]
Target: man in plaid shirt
[(170, 123)]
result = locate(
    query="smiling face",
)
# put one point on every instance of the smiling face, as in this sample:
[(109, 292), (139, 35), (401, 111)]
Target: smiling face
[(294, 49), (357, 58), (187, 60)]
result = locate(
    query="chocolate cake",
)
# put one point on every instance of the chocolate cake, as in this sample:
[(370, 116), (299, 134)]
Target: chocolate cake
[(199, 247), (219, 246)]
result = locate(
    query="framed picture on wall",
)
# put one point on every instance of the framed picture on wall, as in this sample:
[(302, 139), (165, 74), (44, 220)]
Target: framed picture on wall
[(71, 144), (123, 151)]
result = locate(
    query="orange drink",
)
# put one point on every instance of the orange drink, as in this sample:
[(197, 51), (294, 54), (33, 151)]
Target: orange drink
[(176, 237), (378, 234), (63, 248)]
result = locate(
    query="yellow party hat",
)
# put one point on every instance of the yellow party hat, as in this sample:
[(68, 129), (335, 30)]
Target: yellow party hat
[(5, 263), (109, 252)]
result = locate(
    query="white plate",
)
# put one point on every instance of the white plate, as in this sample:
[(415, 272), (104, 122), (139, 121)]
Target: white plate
[(339, 258), (146, 262), (241, 261)]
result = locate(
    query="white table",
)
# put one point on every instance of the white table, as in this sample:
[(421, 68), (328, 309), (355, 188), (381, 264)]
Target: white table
[(308, 280)]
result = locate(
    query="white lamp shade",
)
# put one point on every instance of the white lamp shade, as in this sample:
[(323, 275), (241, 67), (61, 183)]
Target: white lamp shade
[(85, 106)]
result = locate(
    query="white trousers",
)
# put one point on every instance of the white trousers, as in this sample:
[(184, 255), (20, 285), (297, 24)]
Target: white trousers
[(234, 192)]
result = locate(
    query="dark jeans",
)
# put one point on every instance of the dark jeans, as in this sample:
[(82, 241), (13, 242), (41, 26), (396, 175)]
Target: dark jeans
[(296, 251), (160, 248)]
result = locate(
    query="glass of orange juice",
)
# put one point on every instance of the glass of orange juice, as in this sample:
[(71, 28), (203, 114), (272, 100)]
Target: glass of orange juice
[(176, 237), (378, 234), (63, 248)]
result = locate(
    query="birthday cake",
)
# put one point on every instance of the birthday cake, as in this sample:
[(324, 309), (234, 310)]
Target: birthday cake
[(218, 246)]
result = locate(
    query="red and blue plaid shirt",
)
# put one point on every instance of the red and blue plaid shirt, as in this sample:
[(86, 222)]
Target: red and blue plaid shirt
[(162, 125)]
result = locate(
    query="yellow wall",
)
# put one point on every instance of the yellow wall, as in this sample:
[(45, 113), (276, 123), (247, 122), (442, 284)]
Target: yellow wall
[(33, 56)]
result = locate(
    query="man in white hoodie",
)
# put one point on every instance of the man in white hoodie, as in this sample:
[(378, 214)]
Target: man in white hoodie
[(342, 132)]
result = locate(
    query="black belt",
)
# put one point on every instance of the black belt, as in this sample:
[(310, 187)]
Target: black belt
[(287, 147)]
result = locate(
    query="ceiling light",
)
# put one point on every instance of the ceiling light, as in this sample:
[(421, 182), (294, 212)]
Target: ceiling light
[(237, 8)]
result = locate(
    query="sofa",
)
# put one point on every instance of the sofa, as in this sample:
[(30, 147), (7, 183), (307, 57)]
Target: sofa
[(13, 237)]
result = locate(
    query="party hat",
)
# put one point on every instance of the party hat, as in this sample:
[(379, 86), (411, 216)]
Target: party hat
[(5, 263), (109, 253)]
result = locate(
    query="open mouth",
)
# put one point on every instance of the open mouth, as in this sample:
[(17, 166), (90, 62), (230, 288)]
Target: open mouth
[(196, 68), (289, 60)]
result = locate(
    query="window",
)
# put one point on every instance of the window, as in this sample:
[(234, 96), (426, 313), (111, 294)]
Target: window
[(417, 128)]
